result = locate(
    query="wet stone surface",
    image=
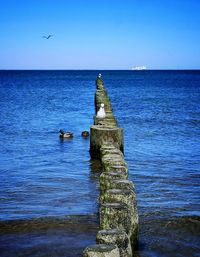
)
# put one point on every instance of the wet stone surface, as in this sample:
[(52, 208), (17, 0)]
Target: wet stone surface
[(106, 184), (118, 204), (118, 237), (101, 250)]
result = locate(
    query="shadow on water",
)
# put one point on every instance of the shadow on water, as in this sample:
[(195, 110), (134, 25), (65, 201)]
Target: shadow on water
[(49, 236), (95, 165), (69, 235), (178, 236)]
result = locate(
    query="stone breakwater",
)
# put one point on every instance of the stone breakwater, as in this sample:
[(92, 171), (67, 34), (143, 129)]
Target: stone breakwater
[(118, 214)]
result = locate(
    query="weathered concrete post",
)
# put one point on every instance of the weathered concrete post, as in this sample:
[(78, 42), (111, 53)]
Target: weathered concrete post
[(118, 210), (116, 215), (101, 250), (100, 134), (117, 237)]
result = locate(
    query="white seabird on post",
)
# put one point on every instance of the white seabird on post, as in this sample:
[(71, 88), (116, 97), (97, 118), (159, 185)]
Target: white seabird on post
[(99, 75), (101, 112)]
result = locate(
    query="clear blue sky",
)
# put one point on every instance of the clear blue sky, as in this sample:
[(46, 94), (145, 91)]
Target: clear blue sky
[(99, 34)]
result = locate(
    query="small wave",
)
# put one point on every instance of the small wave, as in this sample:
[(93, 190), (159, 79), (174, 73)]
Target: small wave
[(185, 223), (78, 223)]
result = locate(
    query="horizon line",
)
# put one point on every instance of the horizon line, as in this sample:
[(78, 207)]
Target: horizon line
[(186, 69)]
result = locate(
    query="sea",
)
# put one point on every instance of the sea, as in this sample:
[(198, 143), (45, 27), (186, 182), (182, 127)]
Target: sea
[(49, 187)]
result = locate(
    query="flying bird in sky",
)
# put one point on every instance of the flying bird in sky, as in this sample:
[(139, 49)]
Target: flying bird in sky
[(47, 37)]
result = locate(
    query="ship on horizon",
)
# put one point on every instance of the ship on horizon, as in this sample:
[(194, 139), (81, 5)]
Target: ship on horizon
[(139, 68)]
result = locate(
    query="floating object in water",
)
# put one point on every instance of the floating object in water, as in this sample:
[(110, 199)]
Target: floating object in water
[(85, 134), (66, 134), (101, 113)]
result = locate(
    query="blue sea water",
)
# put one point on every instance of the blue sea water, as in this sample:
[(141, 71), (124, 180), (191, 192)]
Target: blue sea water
[(49, 187)]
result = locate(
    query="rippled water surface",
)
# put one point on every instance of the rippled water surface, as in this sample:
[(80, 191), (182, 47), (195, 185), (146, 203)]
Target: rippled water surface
[(48, 187)]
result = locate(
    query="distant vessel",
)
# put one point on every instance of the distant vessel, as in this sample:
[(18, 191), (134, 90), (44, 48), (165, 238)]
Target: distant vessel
[(139, 68)]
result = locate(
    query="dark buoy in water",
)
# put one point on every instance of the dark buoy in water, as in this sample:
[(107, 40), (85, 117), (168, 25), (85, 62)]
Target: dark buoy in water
[(66, 134), (85, 134)]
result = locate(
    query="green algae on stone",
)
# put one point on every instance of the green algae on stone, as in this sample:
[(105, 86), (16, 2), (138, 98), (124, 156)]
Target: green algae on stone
[(106, 122), (116, 184), (123, 168), (101, 96), (120, 216), (107, 162), (118, 209), (101, 250), (117, 237), (109, 113), (113, 157), (116, 175), (110, 151), (126, 196), (120, 168), (115, 215), (99, 83), (106, 179), (100, 135), (108, 145), (122, 184)]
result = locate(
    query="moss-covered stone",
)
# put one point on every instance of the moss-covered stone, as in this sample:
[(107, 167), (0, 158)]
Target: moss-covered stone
[(108, 161), (120, 216), (99, 135), (118, 202), (99, 83), (106, 179), (108, 146), (112, 155), (109, 113), (117, 237), (116, 215), (101, 250), (123, 168), (126, 196), (111, 183), (122, 196), (112, 158), (112, 175), (105, 122), (101, 96), (110, 151)]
